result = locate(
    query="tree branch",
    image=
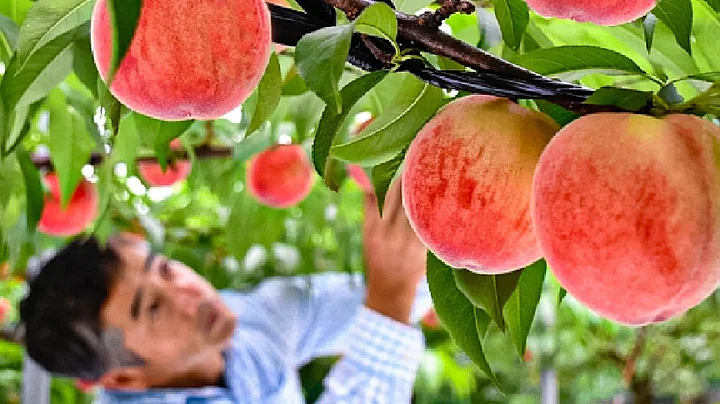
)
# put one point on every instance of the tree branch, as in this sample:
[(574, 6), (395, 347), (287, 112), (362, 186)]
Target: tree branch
[(492, 75), (202, 152)]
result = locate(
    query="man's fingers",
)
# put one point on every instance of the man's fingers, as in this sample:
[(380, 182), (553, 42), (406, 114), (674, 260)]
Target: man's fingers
[(393, 204)]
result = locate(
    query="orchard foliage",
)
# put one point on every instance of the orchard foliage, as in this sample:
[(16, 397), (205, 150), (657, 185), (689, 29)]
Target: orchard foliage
[(341, 62)]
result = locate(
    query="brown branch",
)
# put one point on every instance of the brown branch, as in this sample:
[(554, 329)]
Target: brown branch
[(435, 18), (629, 369), (203, 152), (431, 39)]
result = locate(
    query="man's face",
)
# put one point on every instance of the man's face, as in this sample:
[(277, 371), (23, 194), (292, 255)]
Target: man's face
[(170, 317)]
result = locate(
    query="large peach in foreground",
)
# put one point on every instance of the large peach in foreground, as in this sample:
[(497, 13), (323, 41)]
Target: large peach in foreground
[(626, 212), (601, 12), (79, 214), (467, 180), (188, 59), (281, 176)]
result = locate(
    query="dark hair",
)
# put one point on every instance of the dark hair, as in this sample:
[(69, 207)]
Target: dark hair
[(61, 313)]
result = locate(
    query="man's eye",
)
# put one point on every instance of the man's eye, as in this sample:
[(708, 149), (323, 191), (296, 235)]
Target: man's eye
[(165, 270), (154, 307)]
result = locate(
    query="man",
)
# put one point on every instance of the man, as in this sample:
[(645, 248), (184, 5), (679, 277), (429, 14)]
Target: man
[(149, 330)]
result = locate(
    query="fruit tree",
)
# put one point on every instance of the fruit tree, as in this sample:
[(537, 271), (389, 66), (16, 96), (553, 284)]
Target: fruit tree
[(563, 151)]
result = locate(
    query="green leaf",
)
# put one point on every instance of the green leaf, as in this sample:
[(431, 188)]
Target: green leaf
[(9, 30), (710, 77), (158, 134), (561, 115), (378, 20), (649, 30), (714, 4), (269, 91), (17, 10), (48, 20), (32, 79), (70, 144), (482, 323), (382, 176), (84, 65), (630, 100), (124, 16), (33, 189), (396, 127), (457, 314), (678, 16), (267, 225), (513, 17), (520, 309), (330, 121), (126, 143), (488, 292), (411, 6), (44, 56), (564, 59), (561, 295), (320, 57)]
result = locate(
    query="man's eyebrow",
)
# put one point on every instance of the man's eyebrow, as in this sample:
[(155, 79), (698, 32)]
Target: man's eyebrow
[(137, 298)]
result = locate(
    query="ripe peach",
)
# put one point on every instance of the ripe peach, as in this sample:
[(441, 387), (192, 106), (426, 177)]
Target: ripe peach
[(188, 59), (5, 308), (605, 12), (281, 176), (467, 179), (153, 174), (80, 212), (627, 213)]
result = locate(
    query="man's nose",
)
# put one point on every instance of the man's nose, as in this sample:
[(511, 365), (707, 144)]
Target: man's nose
[(186, 295)]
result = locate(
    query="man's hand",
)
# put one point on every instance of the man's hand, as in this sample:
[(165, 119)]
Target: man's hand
[(394, 257)]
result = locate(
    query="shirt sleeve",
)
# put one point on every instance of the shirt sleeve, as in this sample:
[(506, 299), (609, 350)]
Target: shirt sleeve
[(379, 364), (307, 317)]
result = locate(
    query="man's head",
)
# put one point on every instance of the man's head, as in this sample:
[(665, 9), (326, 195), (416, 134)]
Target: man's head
[(125, 317)]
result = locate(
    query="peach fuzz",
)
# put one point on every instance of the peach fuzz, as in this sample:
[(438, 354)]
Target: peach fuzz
[(188, 59), (281, 176), (603, 12), (626, 211), (79, 214), (467, 180)]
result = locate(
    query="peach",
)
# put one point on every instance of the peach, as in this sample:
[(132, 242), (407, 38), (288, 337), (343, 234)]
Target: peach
[(467, 180), (188, 59), (281, 176), (153, 174), (5, 308), (79, 214), (627, 213), (604, 12)]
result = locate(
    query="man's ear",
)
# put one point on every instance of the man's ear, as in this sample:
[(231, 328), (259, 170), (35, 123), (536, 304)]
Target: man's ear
[(125, 379)]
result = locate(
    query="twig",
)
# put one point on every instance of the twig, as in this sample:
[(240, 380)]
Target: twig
[(492, 75), (629, 369), (435, 18)]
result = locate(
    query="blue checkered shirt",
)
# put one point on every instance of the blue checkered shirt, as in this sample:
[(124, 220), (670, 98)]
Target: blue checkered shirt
[(284, 324)]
